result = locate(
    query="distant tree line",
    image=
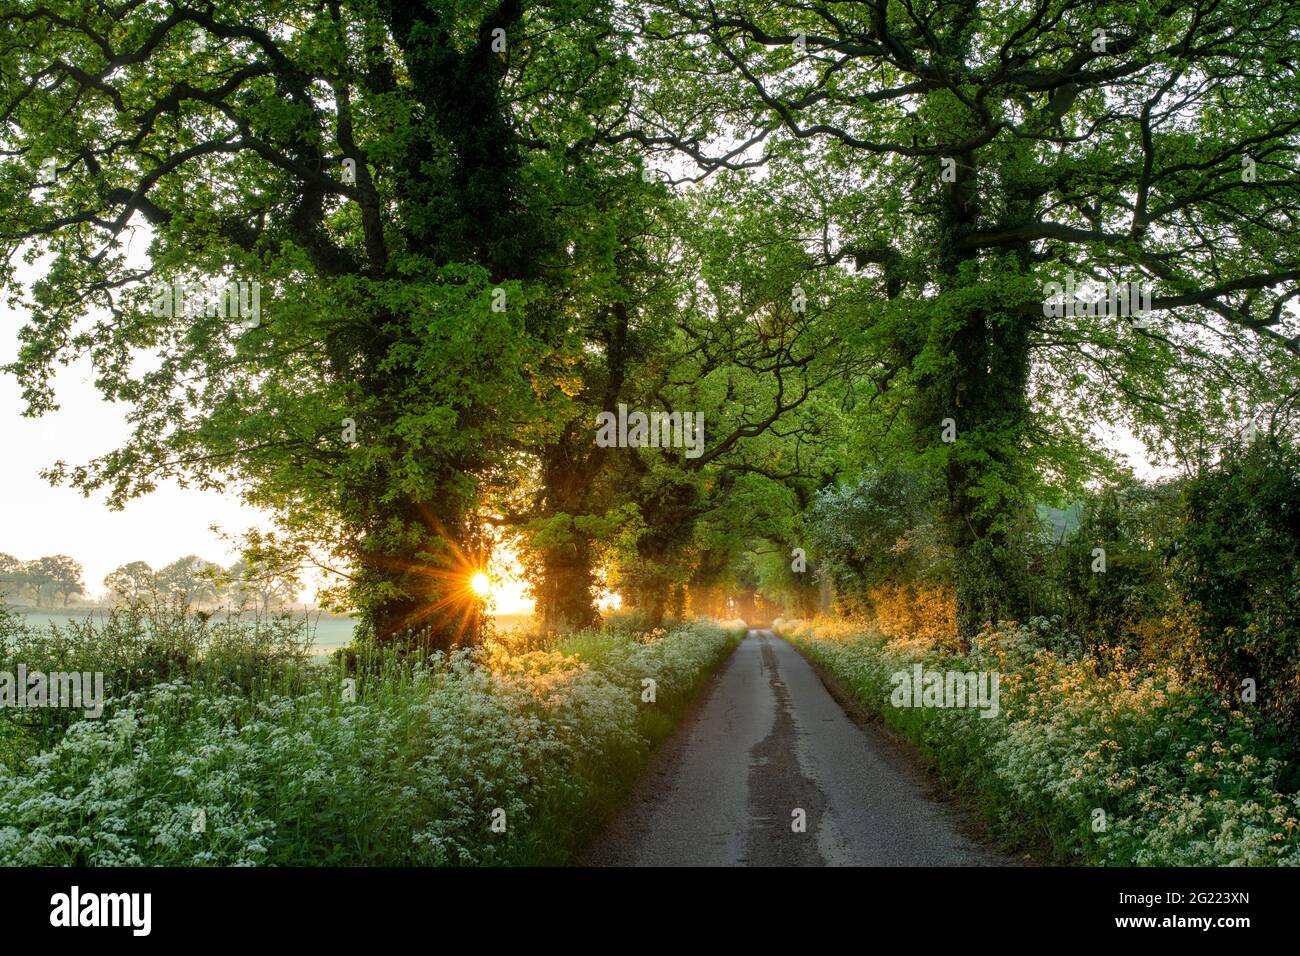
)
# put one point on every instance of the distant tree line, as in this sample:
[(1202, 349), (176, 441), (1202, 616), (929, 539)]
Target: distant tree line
[(42, 579), (191, 580)]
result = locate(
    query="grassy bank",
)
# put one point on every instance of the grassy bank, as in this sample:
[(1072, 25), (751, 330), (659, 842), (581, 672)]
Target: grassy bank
[(1104, 765), (502, 755)]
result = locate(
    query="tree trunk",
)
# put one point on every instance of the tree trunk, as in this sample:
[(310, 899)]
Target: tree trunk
[(658, 606), (565, 591), (565, 598), (985, 473), (979, 390), (418, 589)]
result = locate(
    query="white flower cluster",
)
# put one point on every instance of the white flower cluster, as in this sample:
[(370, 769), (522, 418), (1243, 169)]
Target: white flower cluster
[(1181, 780), (414, 770)]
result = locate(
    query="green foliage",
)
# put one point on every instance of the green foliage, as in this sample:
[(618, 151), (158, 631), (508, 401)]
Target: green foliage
[(1104, 597), (877, 530), (1066, 157), (1236, 558), (374, 403)]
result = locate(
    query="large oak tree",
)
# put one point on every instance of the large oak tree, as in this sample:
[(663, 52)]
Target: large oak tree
[(394, 176)]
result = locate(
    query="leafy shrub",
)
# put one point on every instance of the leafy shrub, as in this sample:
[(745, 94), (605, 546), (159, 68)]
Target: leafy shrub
[(915, 611), (1236, 559), (878, 530), (1131, 523), (628, 620)]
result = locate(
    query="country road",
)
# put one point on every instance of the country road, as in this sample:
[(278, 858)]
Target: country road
[(766, 741)]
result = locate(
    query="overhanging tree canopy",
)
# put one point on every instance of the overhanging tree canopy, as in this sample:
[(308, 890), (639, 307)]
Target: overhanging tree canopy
[(446, 260), (966, 154)]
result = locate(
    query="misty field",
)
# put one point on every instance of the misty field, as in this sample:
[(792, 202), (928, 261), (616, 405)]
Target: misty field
[(327, 632)]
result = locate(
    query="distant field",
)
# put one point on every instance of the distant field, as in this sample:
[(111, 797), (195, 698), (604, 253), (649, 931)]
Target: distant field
[(41, 618), (327, 632)]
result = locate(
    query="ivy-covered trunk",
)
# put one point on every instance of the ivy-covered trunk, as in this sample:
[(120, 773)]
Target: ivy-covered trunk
[(564, 599), (559, 554), (975, 406), (416, 585), (984, 470), (670, 512)]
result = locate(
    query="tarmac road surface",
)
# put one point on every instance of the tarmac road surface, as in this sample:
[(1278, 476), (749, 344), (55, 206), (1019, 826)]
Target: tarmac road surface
[(766, 742)]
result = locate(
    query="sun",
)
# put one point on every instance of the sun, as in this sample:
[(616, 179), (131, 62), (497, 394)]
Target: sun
[(480, 584)]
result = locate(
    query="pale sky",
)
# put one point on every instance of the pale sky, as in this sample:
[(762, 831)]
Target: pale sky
[(40, 519)]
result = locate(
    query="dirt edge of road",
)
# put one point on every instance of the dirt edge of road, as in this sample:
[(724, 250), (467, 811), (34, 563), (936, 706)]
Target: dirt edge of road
[(912, 762)]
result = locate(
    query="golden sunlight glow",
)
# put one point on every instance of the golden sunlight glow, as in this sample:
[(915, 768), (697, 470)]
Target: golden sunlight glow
[(501, 584), (509, 591)]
